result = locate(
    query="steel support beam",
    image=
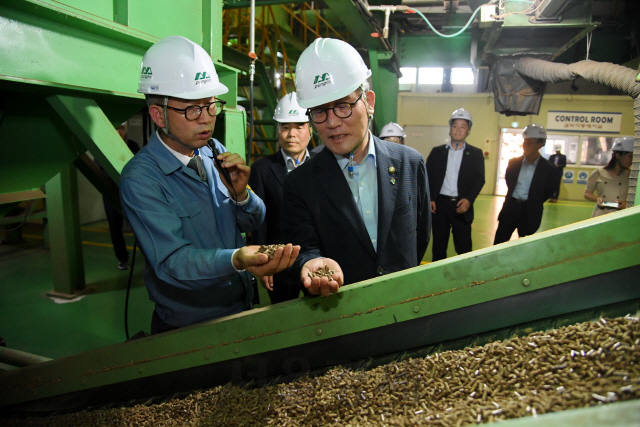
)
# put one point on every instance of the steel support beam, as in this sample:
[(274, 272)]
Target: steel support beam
[(386, 88), (94, 130), (64, 234)]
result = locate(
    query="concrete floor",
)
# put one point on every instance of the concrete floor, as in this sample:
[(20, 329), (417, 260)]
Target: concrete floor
[(32, 322)]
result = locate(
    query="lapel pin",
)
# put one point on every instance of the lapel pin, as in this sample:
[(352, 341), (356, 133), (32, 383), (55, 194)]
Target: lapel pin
[(392, 169), (393, 181)]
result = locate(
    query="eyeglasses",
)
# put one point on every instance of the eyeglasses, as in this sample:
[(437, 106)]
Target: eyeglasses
[(193, 112), (341, 110)]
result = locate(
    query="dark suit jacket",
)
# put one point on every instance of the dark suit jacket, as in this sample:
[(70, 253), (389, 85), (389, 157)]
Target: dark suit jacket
[(470, 177), (562, 160), (325, 221), (266, 180), (542, 187)]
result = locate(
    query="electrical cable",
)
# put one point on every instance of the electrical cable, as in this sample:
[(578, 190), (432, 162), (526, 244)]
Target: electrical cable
[(126, 300)]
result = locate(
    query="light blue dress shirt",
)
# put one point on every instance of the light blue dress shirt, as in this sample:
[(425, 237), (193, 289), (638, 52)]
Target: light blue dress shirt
[(364, 188), (454, 160), (524, 179), (187, 231)]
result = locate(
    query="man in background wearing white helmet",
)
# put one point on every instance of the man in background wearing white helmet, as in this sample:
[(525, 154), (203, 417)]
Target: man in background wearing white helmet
[(531, 180), (611, 183), (456, 176), (267, 177), (559, 160), (360, 207), (393, 132), (187, 218)]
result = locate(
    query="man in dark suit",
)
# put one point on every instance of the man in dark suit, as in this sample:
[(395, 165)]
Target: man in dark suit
[(530, 181), (360, 207), (559, 160), (266, 179), (456, 176)]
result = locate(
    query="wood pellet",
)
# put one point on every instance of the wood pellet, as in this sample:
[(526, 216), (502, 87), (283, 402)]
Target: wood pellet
[(571, 367), (269, 249), (322, 272)]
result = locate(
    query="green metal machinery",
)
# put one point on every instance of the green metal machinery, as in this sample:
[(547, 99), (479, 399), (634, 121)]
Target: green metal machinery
[(68, 75)]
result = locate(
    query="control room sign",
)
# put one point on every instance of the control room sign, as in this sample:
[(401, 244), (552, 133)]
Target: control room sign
[(584, 121)]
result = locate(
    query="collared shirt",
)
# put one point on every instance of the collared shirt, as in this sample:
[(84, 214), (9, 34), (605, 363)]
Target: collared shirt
[(188, 234), (524, 179), (184, 159), (454, 160), (364, 188), (293, 163)]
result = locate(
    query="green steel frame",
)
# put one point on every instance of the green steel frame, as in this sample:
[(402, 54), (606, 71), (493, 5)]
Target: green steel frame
[(68, 77), (581, 266)]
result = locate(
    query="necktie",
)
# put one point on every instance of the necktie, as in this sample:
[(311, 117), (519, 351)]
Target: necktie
[(196, 164)]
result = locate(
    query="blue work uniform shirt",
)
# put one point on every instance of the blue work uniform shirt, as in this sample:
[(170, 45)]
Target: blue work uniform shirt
[(188, 234)]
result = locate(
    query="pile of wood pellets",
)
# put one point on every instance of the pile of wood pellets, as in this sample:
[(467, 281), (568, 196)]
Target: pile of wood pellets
[(571, 367), (269, 250), (322, 272)]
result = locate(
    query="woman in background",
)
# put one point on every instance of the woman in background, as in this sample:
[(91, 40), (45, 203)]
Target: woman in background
[(611, 183)]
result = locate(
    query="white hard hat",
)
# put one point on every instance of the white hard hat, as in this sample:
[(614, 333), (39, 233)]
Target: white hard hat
[(534, 131), (327, 70), (461, 113), (558, 146), (176, 66), (392, 129), (288, 110), (624, 144)]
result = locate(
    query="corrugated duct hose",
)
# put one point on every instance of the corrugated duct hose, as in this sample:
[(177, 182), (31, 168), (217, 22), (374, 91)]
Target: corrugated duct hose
[(616, 76)]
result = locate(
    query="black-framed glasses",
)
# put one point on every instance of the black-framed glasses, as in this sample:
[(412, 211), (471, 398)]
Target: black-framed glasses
[(341, 110), (193, 112)]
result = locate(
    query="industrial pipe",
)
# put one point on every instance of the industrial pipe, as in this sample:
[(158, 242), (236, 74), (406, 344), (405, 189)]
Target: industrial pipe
[(20, 358), (616, 76)]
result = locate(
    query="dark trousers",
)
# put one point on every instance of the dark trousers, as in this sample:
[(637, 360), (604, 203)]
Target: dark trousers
[(556, 192), (512, 216), (115, 229), (444, 220), (159, 326), (285, 288)]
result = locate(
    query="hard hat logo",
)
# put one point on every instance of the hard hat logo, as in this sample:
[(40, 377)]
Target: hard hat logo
[(202, 76), (321, 80), (146, 73), (293, 112)]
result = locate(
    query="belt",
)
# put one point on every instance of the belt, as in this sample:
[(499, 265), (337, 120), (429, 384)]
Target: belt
[(518, 200), (453, 199)]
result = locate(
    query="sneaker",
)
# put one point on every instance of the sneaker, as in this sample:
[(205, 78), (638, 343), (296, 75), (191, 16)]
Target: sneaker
[(123, 265)]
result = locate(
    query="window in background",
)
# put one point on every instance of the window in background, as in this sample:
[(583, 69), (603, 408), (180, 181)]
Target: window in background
[(596, 150), (569, 147), (430, 76), (408, 76), (462, 76)]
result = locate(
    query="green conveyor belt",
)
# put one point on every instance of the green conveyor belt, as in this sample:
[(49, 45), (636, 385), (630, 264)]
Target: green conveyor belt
[(587, 265)]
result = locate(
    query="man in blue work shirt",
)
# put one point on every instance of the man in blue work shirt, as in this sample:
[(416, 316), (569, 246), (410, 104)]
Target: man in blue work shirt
[(530, 181), (186, 217)]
